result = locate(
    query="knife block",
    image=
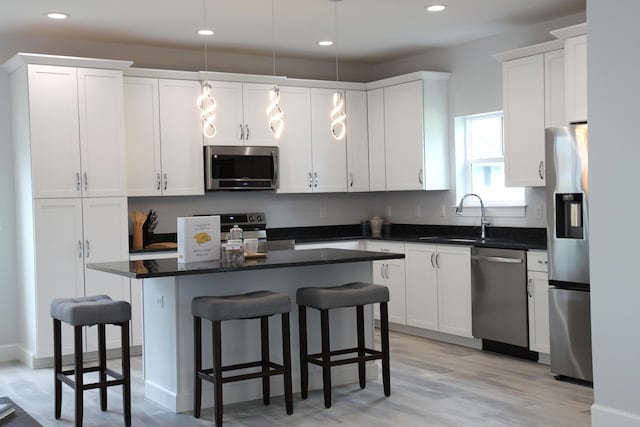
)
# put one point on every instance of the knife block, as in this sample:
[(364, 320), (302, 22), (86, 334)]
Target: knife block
[(136, 231)]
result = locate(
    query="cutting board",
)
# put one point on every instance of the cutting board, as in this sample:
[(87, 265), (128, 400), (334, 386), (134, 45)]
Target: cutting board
[(162, 245)]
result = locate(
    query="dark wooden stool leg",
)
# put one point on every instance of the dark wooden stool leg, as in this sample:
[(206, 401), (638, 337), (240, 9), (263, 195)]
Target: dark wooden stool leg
[(126, 372), (197, 365), (266, 380), (326, 357), (102, 364), (384, 332), (286, 361), (217, 372), (362, 373), (79, 383), (57, 361), (304, 367)]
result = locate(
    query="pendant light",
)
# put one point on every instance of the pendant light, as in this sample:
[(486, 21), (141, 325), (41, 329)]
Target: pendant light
[(337, 115), (206, 102), (274, 110)]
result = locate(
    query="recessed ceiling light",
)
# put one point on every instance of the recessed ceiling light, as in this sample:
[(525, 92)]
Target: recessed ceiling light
[(205, 32), (57, 15), (326, 42), (436, 8)]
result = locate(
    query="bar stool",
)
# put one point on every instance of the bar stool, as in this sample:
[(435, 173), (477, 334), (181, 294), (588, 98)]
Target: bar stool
[(354, 294), (253, 305), (88, 311)]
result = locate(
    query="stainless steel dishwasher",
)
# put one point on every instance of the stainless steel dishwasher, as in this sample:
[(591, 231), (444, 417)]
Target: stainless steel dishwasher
[(499, 295)]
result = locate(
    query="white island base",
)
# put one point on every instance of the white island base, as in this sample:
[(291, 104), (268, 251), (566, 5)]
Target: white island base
[(168, 332)]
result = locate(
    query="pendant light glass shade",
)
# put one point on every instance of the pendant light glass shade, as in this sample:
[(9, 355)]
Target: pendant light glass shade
[(275, 113), (207, 105), (338, 117)]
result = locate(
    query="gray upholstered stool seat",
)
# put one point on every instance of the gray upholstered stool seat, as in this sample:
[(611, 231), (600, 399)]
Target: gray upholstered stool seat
[(245, 306), (349, 295), (253, 305), (83, 312), (91, 310)]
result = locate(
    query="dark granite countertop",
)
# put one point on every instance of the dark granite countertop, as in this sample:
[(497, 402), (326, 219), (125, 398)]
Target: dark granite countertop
[(276, 259)]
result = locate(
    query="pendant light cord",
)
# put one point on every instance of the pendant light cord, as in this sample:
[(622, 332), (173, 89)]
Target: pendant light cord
[(273, 35), (335, 9), (206, 40)]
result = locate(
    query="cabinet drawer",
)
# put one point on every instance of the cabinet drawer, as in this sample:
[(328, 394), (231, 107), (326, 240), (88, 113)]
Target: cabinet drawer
[(537, 261), (393, 247)]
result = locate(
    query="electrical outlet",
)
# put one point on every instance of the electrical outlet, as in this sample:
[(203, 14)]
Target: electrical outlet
[(416, 211), (443, 210), (540, 211), (388, 212), (323, 212), (160, 301)]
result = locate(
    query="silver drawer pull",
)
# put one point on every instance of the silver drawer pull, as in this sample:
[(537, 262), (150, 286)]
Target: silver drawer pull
[(543, 262), (496, 259)]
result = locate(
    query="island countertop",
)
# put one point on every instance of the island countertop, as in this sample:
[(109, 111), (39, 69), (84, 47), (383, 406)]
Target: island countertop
[(276, 259)]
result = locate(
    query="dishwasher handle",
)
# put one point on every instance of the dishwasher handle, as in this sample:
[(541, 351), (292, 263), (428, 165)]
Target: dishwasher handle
[(500, 259)]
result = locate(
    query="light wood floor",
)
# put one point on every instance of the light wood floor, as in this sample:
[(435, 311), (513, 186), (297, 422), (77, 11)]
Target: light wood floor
[(433, 384)]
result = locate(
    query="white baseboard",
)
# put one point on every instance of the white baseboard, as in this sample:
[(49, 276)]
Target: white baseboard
[(434, 335), (603, 416), (29, 359), (9, 352)]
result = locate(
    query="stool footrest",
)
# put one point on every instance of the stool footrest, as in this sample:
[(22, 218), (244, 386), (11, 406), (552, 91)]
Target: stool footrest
[(274, 369), (64, 377), (316, 358)]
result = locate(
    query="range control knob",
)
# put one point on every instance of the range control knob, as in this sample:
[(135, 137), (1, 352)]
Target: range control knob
[(250, 218), (259, 218)]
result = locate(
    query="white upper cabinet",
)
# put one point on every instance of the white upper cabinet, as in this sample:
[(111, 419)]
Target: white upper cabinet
[(76, 132), (576, 79), (524, 121), (163, 137), (295, 163), (375, 126), (554, 108), (241, 114), (357, 141), (416, 135), (329, 172)]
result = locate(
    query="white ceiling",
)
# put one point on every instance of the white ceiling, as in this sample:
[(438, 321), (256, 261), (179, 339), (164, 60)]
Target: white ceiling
[(368, 30)]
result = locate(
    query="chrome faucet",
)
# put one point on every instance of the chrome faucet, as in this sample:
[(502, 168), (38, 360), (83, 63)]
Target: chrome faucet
[(483, 217)]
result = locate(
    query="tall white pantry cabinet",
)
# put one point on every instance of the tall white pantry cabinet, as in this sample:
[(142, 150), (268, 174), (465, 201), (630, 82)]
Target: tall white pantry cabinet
[(70, 179)]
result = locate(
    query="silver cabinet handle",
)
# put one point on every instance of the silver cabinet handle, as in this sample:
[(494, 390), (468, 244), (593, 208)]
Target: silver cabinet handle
[(351, 180), (241, 132), (433, 254), (274, 156), (438, 260), (382, 270), (247, 137), (420, 176), (158, 181), (87, 249), (77, 181), (543, 262), (86, 182), (497, 259), (385, 250), (79, 248), (310, 180), (166, 181), (529, 287), (540, 169), (315, 178)]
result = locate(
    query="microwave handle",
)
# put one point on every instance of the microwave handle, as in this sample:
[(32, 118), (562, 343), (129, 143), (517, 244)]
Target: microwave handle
[(274, 158)]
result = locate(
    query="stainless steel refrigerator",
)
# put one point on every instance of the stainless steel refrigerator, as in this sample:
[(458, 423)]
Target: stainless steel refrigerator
[(567, 172)]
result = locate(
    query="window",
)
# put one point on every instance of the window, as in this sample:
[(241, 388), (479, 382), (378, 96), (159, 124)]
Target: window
[(480, 160)]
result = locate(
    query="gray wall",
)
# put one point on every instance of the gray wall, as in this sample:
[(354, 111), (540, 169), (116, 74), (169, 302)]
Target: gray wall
[(614, 150), (475, 87)]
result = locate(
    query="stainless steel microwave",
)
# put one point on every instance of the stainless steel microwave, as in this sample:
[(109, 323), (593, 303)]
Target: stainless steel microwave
[(240, 168)]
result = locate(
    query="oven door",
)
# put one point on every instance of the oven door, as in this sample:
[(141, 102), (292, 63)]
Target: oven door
[(241, 168)]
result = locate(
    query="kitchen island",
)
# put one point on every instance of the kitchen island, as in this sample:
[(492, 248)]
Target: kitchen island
[(169, 287)]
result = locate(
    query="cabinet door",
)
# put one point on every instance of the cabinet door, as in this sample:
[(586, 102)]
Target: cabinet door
[(181, 138), (576, 79), (377, 276), (375, 125), (229, 118), (454, 290), (538, 292), (395, 277), (329, 154), (554, 108), (357, 141), (404, 136), (102, 149), (255, 100), (422, 286), (142, 136), (55, 135), (523, 102), (59, 261), (295, 143), (106, 238)]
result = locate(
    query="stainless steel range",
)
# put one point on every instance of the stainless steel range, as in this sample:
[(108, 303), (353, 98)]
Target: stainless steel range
[(253, 224)]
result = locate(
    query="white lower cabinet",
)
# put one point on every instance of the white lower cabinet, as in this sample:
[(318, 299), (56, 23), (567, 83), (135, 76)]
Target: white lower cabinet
[(69, 233), (390, 273), (438, 288), (538, 297)]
